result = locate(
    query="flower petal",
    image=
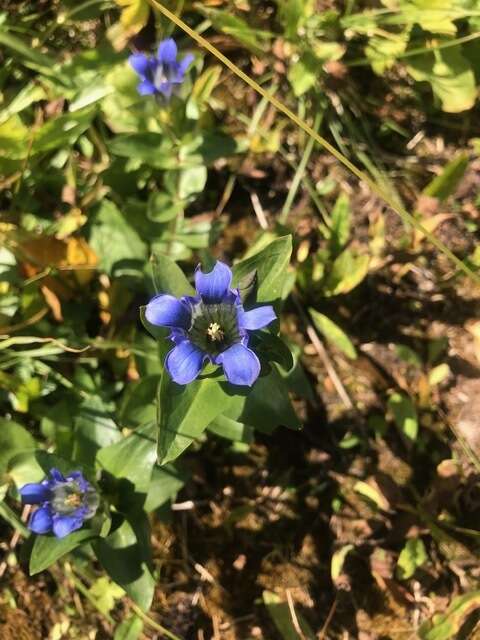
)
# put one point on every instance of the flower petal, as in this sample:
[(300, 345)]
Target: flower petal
[(167, 51), (146, 88), (57, 475), (185, 63), (167, 311), (257, 318), (240, 365), (63, 525), (41, 520), (79, 478), (139, 63), (215, 285), (166, 89), (184, 362), (34, 493)]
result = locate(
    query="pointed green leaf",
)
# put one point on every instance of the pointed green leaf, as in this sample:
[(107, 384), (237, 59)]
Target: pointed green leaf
[(271, 264), (186, 411), (333, 333), (125, 556)]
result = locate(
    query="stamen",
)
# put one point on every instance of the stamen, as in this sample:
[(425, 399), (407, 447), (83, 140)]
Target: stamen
[(73, 500), (215, 332)]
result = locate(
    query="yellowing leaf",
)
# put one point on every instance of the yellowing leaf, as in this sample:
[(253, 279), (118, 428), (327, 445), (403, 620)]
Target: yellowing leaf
[(134, 14), (382, 52), (347, 272), (448, 624), (372, 493), (412, 556), (450, 76), (79, 254), (438, 374), (205, 84), (338, 560), (133, 18)]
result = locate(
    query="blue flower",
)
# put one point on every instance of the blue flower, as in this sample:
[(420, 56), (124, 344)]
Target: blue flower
[(211, 326), (161, 74), (65, 503)]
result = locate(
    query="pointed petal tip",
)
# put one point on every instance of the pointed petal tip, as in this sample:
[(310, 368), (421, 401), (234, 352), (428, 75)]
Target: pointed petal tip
[(257, 318)]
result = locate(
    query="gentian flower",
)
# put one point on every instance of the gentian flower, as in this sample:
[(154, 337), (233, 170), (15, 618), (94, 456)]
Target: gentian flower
[(65, 503), (162, 74), (211, 326)]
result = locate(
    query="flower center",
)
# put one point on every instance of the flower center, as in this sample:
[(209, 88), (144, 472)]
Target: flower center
[(215, 332), (214, 327), (73, 500), (67, 497)]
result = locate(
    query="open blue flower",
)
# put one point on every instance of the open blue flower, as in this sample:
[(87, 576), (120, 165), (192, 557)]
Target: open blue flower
[(211, 326), (65, 503), (162, 74)]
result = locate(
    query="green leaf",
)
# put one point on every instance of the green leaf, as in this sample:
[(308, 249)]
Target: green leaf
[(333, 333), (280, 613), (14, 439), (445, 184), (131, 459), (408, 355), (162, 208), (293, 15), (271, 264), (105, 593), (231, 429), (449, 74), (447, 625), (412, 556), (169, 278), (340, 224), (32, 57), (13, 139), (204, 85), (94, 428), (382, 51), (272, 348), (405, 415), (192, 182), (303, 74), (254, 39), (266, 405), (47, 549), (185, 412), (29, 94), (129, 629), (348, 271), (140, 402), (152, 149), (64, 130), (114, 240), (125, 556), (164, 485)]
